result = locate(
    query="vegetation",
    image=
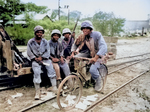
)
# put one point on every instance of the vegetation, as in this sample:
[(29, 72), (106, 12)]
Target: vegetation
[(21, 35), (106, 23), (9, 9)]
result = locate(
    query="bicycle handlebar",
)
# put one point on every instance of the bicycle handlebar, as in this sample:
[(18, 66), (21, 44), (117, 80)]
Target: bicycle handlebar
[(83, 58)]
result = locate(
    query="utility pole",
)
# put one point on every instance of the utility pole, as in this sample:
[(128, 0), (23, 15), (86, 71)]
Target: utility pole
[(13, 14), (67, 7), (68, 14), (59, 9)]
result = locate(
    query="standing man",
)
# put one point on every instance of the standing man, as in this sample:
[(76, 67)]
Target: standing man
[(67, 42), (38, 51), (56, 55), (91, 44)]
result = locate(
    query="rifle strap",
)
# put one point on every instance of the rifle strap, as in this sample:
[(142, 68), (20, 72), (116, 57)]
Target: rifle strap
[(32, 51), (35, 54)]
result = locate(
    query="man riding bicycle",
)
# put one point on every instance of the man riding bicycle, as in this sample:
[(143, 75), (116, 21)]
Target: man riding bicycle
[(91, 44)]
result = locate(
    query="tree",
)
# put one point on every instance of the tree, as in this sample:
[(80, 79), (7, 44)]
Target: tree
[(9, 9), (100, 22), (54, 14), (107, 23), (32, 9), (116, 25), (74, 15)]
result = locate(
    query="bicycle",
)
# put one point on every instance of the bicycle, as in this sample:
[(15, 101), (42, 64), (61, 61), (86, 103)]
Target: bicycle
[(70, 89)]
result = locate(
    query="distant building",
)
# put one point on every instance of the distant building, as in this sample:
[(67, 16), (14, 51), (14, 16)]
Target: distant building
[(16, 21), (10, 23), (137, 26), (47, 17)]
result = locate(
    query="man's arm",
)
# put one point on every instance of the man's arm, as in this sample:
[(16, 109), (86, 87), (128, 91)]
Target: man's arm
[(31, 55), (102, 46), (29, 52), (75, 45)]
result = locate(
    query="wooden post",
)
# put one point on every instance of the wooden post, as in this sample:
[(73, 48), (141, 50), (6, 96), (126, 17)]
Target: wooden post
[(24, 71), (0, 42), (0, 53), (9, 59), (142, 31)]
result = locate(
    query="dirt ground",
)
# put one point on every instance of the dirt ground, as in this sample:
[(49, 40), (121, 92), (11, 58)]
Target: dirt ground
[(133, 98)]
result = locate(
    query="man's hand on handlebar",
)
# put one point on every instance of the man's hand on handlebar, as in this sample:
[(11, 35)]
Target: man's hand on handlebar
[(93, 60), (103, 59)]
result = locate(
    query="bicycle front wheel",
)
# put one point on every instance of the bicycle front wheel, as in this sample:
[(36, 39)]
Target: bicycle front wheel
[(69, 92)]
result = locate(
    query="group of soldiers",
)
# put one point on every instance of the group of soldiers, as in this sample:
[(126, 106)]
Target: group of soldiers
[(53, 54)]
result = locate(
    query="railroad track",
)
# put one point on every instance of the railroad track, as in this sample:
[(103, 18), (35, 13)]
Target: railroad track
[(133, 56), (133, 62), (116, 90), (7, 82), (136, 62)]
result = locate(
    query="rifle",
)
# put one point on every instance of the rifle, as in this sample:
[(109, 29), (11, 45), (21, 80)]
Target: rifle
[(73, 32)]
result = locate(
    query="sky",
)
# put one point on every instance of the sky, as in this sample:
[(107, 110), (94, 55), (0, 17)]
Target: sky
[(128, 9)]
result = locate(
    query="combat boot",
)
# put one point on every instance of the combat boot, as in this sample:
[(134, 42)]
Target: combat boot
[(98, 84), (54, 87), (37, 89), (37, 95)]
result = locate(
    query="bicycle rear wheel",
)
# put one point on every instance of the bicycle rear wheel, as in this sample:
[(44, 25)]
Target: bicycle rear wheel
[(103, 71)]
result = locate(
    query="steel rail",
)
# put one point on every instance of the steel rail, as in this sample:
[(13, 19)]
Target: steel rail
[(37, 104), (132, 56), (116, 64), (99, 101), (128, 66)]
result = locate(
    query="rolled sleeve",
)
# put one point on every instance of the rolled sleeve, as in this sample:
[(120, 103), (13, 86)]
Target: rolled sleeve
[(102, 46)]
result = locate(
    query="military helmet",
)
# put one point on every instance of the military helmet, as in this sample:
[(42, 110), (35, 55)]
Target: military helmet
[(87, 24), (56, 31), (38, 28), (66, 30)]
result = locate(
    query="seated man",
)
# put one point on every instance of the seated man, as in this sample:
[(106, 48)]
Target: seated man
[(38, 51), (56, 55), (67, 42), (91, 44)]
